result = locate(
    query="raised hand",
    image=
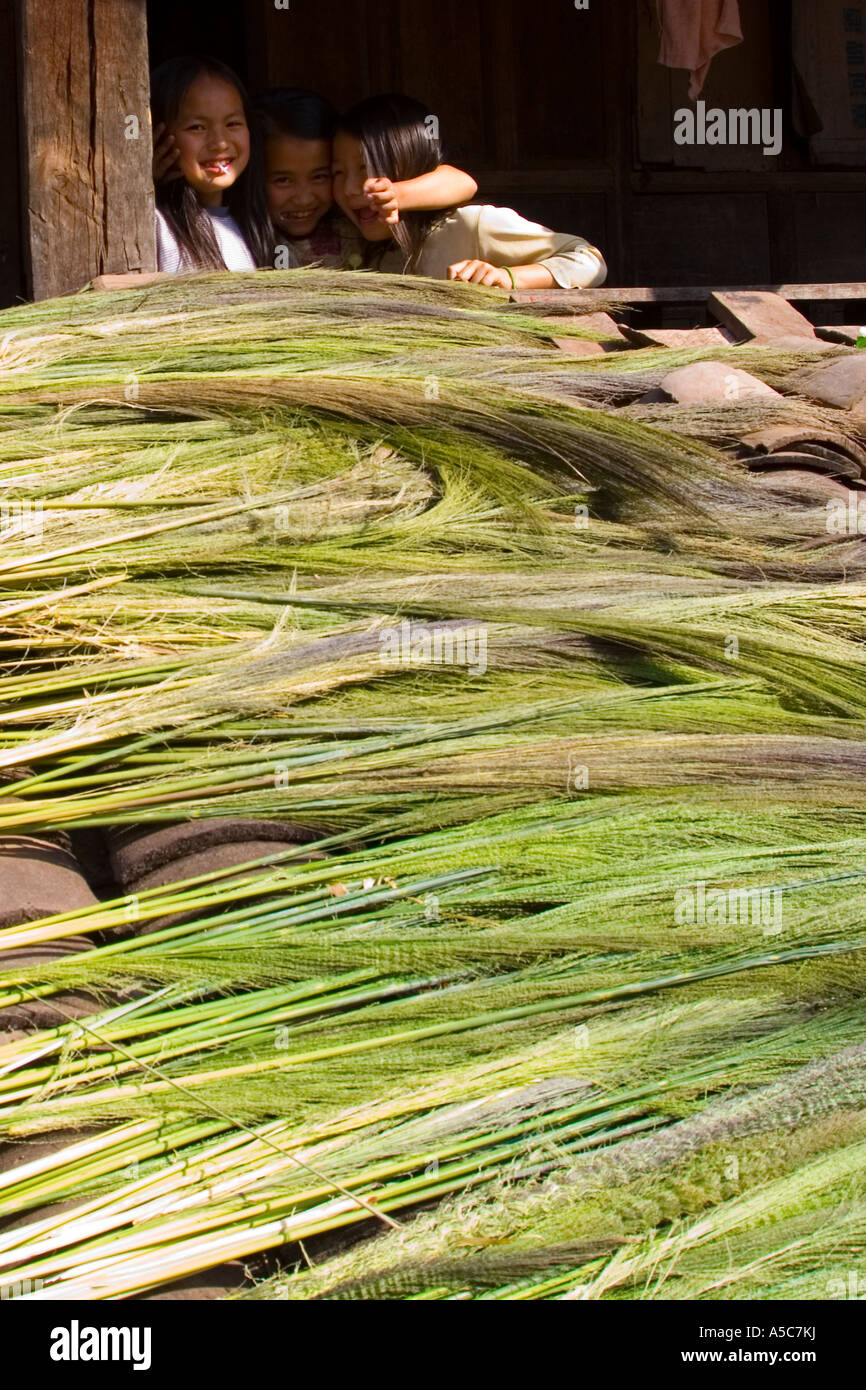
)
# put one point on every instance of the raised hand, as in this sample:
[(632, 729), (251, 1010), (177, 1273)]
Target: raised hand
[(381, 194), (165, 156)]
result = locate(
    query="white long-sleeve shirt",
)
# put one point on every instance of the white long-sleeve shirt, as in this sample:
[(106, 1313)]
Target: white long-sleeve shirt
[(233, 248), (502, 237)]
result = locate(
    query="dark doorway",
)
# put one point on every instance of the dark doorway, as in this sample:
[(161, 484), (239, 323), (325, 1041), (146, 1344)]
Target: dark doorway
[(214, 27)]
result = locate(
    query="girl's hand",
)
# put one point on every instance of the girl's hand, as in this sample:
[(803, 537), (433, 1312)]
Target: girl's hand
[(480, 273), (382, 195), (165, 156)]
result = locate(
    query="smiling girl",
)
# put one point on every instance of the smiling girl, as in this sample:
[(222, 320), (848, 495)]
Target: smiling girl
[(211, 209), (298, 127), (394, 136), (298, 133)]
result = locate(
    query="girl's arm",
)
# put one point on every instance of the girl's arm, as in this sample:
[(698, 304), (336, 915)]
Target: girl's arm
[(446, 187), (512, 253), (516, 277)]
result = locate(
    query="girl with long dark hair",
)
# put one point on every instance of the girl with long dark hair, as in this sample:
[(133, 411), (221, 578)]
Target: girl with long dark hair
[(298, 128), (210, 198), (396, 137)]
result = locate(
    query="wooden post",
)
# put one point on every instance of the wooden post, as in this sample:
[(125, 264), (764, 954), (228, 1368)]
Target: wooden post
[(11, 276), (620, 40), (86, 141)]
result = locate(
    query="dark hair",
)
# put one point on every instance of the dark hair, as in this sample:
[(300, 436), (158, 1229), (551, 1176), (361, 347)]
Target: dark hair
[(400, 141), (297, 113), (176, 199)]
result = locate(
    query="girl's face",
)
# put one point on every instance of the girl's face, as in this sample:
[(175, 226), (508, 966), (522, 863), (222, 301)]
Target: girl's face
[(298, 182), (213, 137), (350, 175)]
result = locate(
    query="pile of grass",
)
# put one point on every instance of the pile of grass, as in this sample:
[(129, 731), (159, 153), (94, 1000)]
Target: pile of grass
[(477, 1039)]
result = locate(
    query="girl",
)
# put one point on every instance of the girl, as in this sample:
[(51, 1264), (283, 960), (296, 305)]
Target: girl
[(299, 129), (211, 210), (392, 136)]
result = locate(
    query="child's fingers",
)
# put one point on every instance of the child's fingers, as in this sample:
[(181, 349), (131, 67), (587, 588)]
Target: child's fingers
[(475, 273), (381, 196), (485, 274), (383, 200), (164, 161), (165, 155)]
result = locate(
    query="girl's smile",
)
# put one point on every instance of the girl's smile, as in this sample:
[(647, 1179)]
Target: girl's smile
[(365, 217), (298, 183), (212, 137), (350, 175)]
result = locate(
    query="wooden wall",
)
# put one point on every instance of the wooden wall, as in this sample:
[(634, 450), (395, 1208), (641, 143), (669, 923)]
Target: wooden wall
[(86, 184)]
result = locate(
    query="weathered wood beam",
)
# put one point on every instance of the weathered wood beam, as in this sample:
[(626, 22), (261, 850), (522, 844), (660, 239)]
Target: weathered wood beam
[(11, 274), (759, 316), (602, 179), (686, 294), (679, 337), (86, 142)]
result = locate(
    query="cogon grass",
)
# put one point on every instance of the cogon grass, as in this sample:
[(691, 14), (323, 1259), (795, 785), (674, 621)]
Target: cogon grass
[(440, 1179), (245, 480), (555, 1237)]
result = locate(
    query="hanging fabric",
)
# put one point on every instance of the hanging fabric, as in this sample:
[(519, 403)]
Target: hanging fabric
[(694, 31)]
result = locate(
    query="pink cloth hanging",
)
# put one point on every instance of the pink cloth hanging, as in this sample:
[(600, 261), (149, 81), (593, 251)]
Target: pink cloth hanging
[(694, 31)]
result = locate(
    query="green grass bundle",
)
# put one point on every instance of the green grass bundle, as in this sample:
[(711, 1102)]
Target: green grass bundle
[(570, 1005)]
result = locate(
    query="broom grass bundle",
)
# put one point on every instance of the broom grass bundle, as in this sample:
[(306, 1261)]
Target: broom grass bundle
[(695, 1194), (415, 985), (484, 1003), (534, 1127)]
